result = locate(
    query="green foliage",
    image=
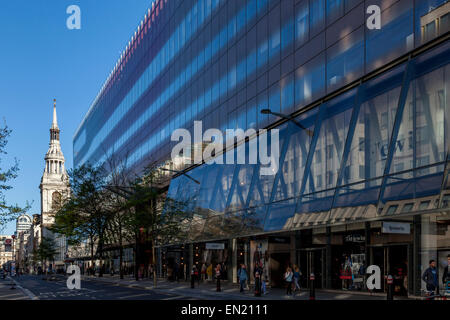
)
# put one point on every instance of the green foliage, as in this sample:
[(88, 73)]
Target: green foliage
[(46, 250), (86, 213), (163, 220)]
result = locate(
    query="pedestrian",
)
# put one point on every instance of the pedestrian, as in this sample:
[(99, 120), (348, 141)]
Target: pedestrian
[(209, 272), (242, 274), (257, 283), (297, 275), (263, 283), (430, 278), (197, 276), (218, 273), (193, 272), (446, 276), (175, 271), (203, 271), (288, 278)]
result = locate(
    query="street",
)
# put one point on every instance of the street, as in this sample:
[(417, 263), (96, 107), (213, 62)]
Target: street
[(90, 290)]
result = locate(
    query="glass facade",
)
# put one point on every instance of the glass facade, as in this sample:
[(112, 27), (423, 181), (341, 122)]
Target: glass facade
[(222, 61), (365, 154), (369, 148)]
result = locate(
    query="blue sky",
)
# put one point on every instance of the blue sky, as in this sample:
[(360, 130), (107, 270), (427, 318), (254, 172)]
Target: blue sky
[(40, 59)]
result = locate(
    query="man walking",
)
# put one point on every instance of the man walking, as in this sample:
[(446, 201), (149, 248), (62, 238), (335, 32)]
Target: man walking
[(430, 278), (242, 274)]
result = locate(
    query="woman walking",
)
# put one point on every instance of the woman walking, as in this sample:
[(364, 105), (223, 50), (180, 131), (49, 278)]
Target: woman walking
[(209, 271), (297, 275), (218, 273), (288, 278)]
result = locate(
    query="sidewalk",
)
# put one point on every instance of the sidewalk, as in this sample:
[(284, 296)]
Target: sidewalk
[(230, 291), (6, 293)]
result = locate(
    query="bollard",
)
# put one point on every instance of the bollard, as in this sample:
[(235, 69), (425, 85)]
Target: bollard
[(390, 287), (312, 292)]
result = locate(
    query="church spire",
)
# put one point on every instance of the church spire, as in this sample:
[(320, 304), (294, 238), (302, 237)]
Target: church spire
[(55, 119), (54, 130)]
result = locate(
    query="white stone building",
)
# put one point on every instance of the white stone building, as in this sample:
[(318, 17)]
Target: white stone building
[(54, 188)]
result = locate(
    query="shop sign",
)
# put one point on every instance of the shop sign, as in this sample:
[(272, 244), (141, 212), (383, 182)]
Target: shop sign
[(396, 227), (215, 246), (356, 237)]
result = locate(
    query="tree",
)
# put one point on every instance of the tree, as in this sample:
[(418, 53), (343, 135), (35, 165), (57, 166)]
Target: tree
[(8, 212), (45, 252), (155, 218), (86, 214), (118, 185)]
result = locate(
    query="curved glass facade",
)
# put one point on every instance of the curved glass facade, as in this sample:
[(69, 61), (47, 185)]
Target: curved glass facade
[(223, 61), (368, 153), (363, 171)]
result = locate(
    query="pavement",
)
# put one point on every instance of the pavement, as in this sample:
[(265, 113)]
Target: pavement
[(9, 290), (230, 291)]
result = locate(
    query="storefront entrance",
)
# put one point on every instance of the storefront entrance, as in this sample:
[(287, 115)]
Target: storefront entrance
[(392, 259), (312, 261)]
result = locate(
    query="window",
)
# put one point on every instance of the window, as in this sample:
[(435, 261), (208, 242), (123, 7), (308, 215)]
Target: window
[(395, 37), (317, 14), (345, 60), (335, 9), (424, 205), (301, 23), (330, 177), (391, 210), (310, 81), (362, 172), (444, 24), (408, 207), (56, 200), (430, 31)]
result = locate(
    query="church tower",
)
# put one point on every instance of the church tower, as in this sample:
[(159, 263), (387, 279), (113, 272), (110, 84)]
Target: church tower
[(55, 181)]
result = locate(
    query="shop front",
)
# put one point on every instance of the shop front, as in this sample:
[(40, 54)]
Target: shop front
[(206, 257)]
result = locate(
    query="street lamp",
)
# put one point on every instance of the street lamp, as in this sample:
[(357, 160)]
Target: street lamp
[(288, 118), (181, 172)]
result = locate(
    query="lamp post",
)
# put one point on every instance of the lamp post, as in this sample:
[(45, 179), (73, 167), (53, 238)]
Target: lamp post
[(288, 118), (13, 263), (13, 253)]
